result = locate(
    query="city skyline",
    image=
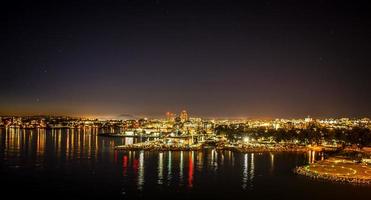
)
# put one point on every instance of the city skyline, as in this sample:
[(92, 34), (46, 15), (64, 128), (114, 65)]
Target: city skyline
[(173, 115), (185, 99)]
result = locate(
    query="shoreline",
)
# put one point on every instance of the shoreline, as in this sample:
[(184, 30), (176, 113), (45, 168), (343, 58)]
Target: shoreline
[(160, 146), (267, 149), (156, 146)]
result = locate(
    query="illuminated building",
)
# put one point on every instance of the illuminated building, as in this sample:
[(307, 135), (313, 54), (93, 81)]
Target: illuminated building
[(183, 116), (170, 116), (308, 119)]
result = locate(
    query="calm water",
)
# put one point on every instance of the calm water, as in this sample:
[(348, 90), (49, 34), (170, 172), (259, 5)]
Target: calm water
[(80, 164)]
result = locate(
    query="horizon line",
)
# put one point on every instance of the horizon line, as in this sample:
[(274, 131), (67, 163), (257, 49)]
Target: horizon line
[(117, 117)]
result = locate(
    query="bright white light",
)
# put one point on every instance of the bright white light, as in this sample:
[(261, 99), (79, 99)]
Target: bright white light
[(246, 139)]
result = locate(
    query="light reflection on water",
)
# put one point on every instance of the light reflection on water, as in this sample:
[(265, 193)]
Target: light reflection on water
[(181, 166), (141, 170), (248, 171), (169, 167), (74, 147), (312, 156), (190, 169)]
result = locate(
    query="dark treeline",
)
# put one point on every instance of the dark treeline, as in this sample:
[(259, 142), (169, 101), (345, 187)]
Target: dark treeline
[(311, 135)]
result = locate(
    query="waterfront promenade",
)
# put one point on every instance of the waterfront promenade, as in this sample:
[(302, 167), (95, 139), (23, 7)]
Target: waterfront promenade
[(262, 148), (163, 145), (159, 145)]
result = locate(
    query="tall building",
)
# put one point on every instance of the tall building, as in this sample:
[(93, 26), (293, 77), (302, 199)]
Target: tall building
[(184, 116), (170, 116), (308, 119)]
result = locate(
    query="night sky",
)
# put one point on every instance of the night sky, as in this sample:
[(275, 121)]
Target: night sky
[(212, 58)]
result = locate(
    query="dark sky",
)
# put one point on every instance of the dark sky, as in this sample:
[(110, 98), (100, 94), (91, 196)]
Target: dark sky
[(212, 58)]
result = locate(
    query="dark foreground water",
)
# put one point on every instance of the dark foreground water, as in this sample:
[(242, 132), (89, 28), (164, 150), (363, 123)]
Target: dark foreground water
[(78, 164)]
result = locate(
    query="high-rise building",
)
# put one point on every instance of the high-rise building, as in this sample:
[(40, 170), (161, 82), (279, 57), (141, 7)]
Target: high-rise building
[(170, 116), (184, 116), (308, 119)]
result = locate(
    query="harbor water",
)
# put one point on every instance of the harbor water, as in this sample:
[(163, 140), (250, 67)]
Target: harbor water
[(80, 164)]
